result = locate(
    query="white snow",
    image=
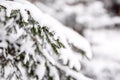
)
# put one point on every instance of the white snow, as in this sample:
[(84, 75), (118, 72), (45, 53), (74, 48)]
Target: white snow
[(72, 73), (40, 70)]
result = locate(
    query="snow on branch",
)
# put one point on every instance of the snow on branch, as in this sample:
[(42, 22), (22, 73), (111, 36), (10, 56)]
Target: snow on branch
[(34, 46)]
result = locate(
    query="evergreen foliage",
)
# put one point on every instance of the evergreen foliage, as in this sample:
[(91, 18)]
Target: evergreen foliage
[(29, 51)]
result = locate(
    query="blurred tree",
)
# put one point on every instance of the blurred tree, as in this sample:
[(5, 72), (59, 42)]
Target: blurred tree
[(112, 6)]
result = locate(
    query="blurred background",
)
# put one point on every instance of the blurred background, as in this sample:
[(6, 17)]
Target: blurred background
[(99, 22)]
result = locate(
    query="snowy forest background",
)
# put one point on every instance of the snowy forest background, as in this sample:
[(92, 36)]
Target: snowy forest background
[(99, 22)]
